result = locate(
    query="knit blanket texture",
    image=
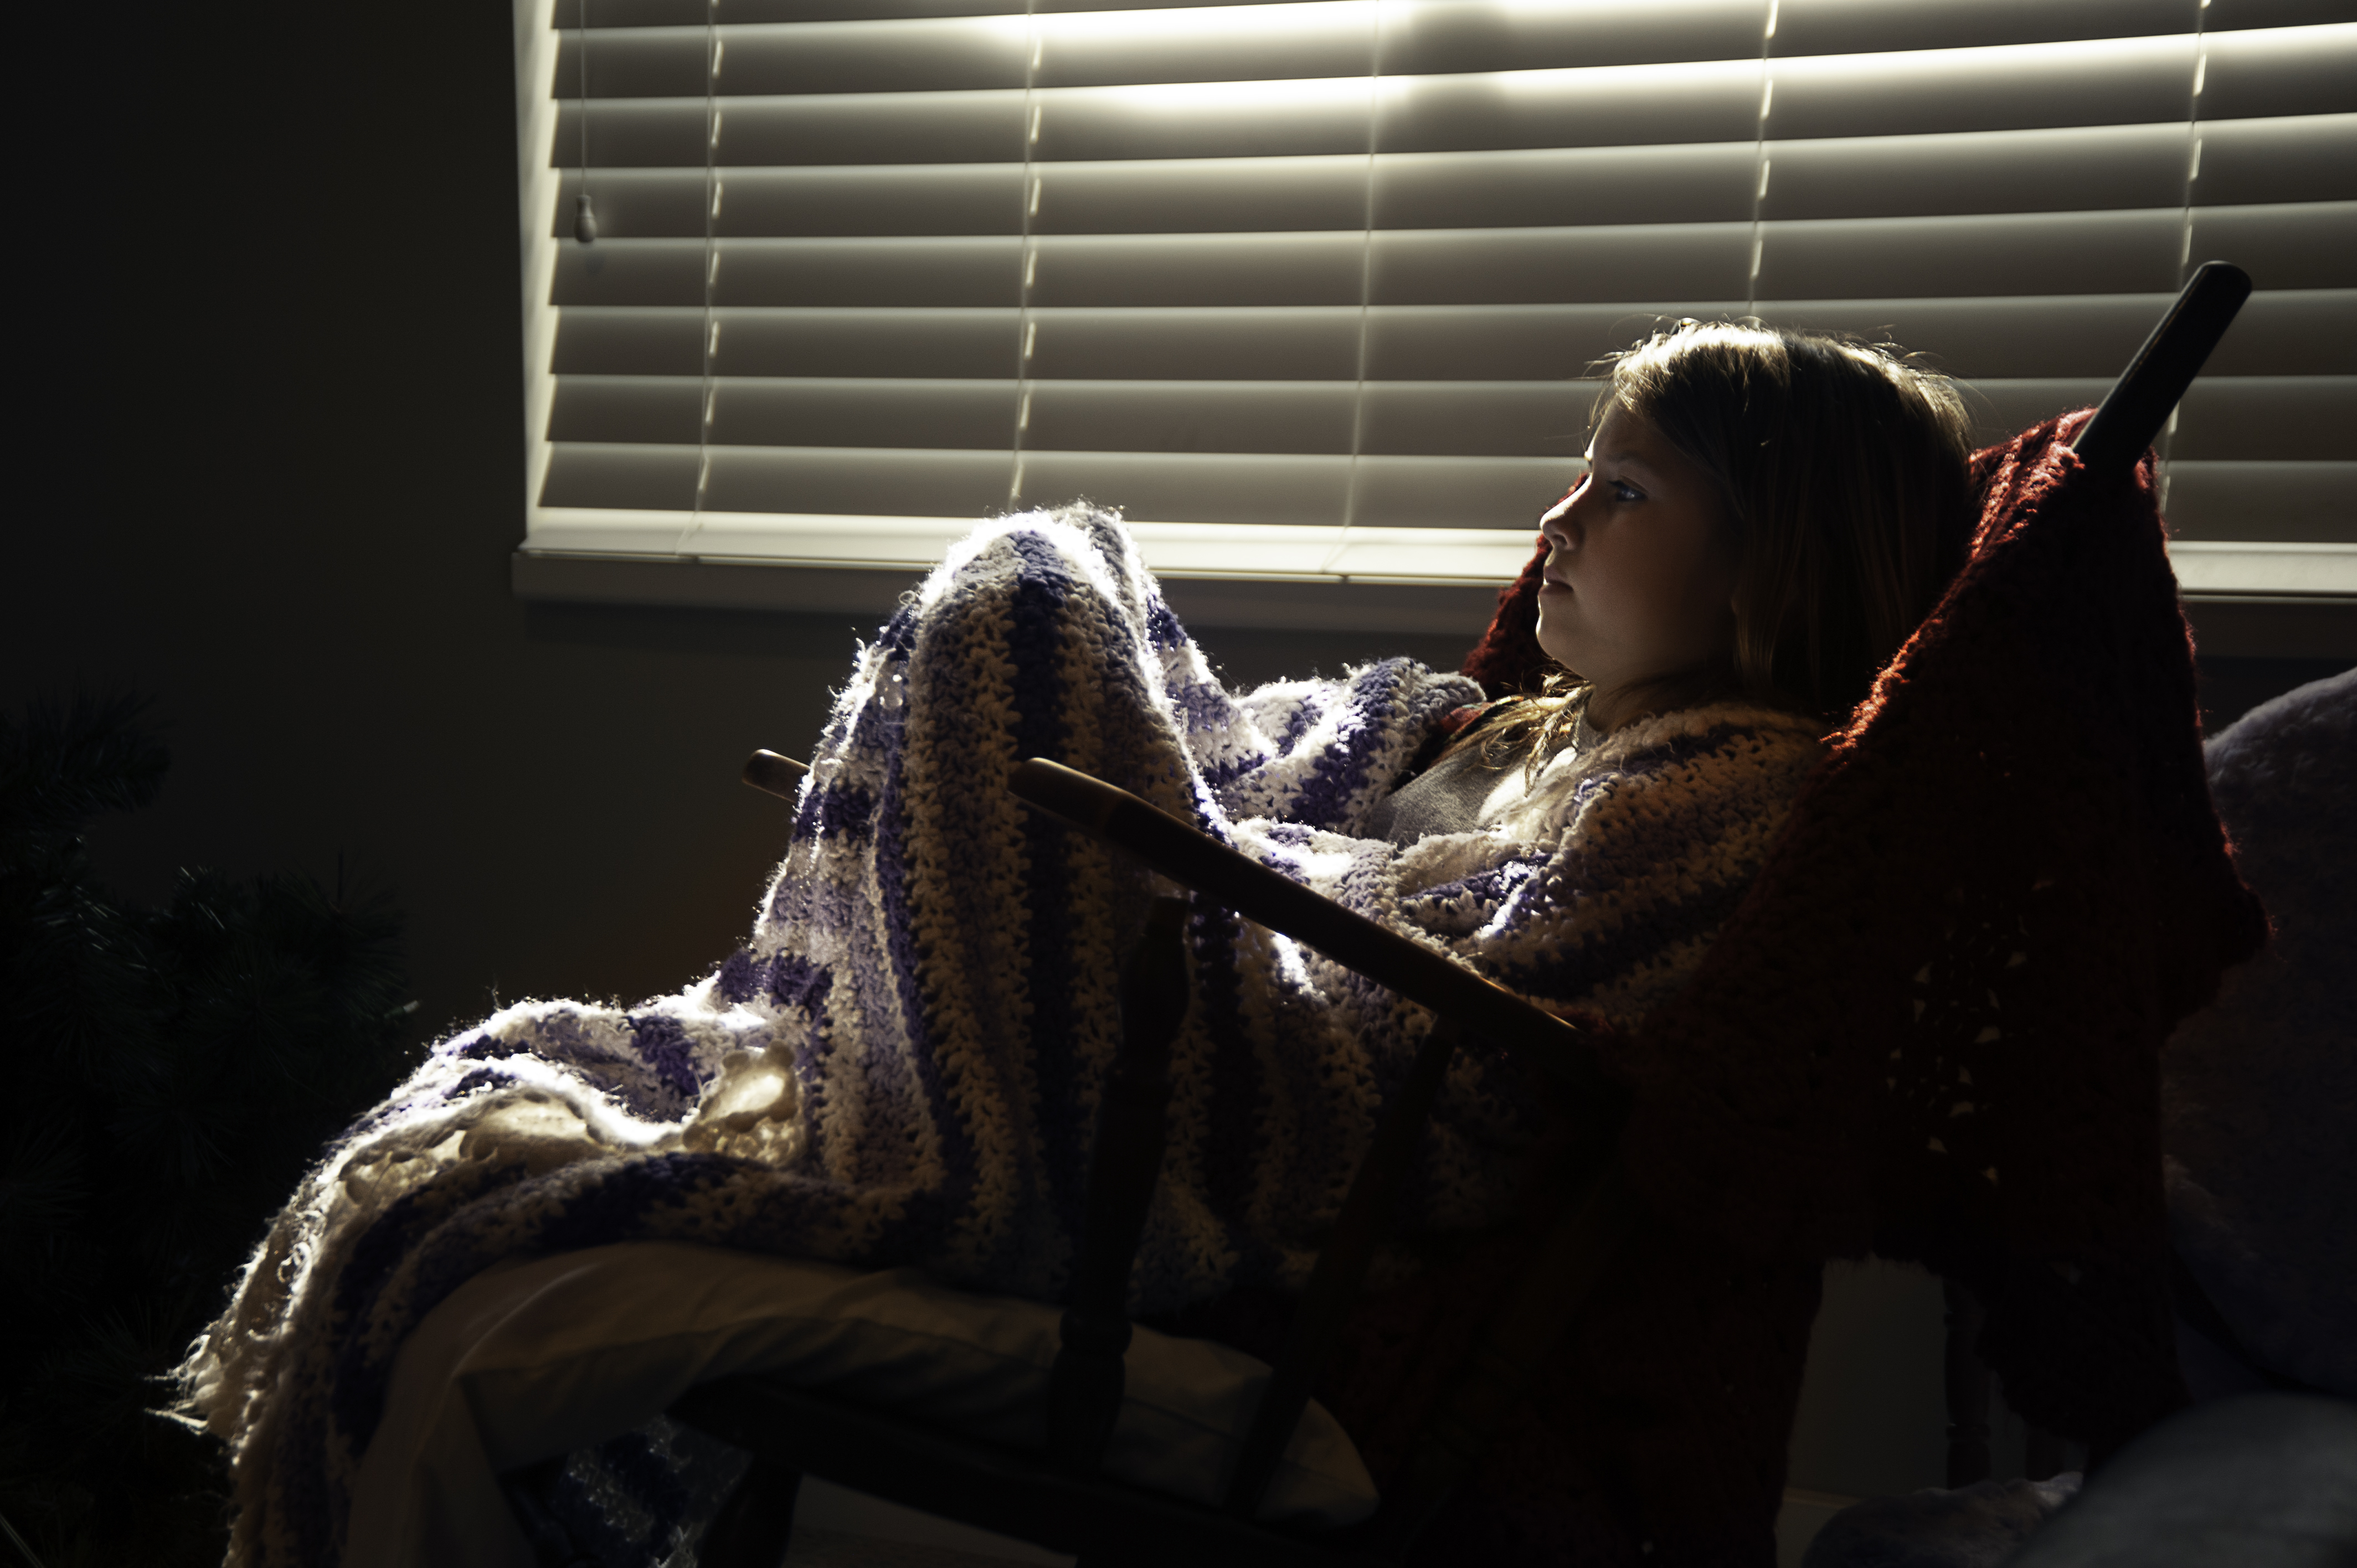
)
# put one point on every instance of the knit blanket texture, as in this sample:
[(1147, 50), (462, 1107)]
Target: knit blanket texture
[(901, 1066)]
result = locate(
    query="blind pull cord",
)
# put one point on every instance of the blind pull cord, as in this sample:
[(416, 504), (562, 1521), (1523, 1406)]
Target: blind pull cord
[(1027, 326), (584, 216), (1759, 165)]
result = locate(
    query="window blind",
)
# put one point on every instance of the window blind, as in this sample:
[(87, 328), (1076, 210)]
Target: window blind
[(1309, 289)]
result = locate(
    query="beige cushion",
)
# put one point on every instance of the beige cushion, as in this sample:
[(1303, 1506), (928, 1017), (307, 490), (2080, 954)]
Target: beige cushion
[(545, 1357)]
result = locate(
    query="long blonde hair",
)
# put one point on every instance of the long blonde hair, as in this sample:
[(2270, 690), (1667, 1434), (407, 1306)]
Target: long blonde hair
[(1843, 471)]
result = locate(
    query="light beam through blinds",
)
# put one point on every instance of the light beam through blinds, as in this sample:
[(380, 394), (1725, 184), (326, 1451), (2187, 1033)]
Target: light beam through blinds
[(1310, 289)]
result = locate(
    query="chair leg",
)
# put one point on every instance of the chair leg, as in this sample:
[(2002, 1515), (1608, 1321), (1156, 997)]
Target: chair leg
[(755, 1525), (527, 1492), (2043, 1457), (1968, 1390)]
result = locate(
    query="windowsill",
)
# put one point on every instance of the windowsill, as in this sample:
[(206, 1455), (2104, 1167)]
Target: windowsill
[(2244, 599)]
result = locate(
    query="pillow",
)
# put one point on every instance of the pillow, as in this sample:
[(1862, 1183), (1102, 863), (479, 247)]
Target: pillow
[(537, 1359)]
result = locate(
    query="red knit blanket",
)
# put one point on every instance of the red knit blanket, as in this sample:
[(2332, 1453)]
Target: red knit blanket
[(1931, 1031)]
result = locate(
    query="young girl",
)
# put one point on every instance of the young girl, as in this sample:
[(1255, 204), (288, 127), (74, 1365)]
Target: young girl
[(902, 1064)]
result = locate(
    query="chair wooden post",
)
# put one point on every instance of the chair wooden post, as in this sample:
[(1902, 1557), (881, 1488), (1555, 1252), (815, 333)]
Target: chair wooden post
[(1340, 1269), (755, 1525), (1085, 1387), (1968, 1381), (1527, 1326), (2044, 1455)]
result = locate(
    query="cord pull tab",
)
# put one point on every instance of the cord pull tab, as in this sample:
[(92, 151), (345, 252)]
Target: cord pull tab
[(585, 219)]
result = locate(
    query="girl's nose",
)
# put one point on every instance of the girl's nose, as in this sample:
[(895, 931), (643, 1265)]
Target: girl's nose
[(1554, 523)]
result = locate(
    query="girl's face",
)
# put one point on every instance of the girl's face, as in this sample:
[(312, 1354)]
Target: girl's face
[(1640, 575)]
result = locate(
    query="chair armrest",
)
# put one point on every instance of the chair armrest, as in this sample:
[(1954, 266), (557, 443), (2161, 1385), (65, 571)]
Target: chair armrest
[(1189, 856)]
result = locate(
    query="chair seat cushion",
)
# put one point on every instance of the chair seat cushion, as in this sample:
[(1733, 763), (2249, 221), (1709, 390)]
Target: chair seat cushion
[(540, 1358)]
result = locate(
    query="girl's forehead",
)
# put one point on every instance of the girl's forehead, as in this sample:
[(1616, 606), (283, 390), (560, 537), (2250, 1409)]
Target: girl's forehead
[(1626, 437)]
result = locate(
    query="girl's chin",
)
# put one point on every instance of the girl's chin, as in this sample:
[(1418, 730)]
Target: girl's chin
[(1556, 643)]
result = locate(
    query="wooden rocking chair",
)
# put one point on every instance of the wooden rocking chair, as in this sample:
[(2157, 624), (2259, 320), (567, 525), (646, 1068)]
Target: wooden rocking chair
[(1057, 1498)]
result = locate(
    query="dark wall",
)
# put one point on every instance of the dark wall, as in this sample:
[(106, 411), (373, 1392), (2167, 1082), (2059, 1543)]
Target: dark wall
[(272, 474)]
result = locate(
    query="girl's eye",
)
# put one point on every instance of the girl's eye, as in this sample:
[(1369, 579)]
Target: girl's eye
[(1623, 491)]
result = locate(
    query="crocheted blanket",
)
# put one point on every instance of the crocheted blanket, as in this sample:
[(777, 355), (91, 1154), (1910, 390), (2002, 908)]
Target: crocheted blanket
[(902, 1063)]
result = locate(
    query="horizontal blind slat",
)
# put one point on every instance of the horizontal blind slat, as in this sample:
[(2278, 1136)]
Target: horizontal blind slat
[(2303, 157), (1440, 38), (2230, 15), (2243, 161), (1247, 487), (565, 16), (2044, 87), (2126, 81), (632, 478), (892, 482), (2073, 252), (1198, 269), (2294, 70), (1977, 172), (924, 200), (947, 54), (2308, 245), (2283, 71), (2295, 502), (879, 128), (1702, 260), (1443, 492), (1191, 416), (807, 342), (1859, 26), (2291, 332), (1244, 487), (2294, 418), (924, 272), (2290, 418), (1296, 417), (627, 409), (1476, 419), (1803, 26), (1437, 418)]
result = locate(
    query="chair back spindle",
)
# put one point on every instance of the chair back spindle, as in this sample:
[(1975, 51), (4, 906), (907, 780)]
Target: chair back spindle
[(1084, 1389), (2146, 393)]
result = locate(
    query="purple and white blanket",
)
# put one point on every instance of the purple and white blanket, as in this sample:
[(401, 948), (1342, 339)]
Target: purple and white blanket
[(901, 1065)]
